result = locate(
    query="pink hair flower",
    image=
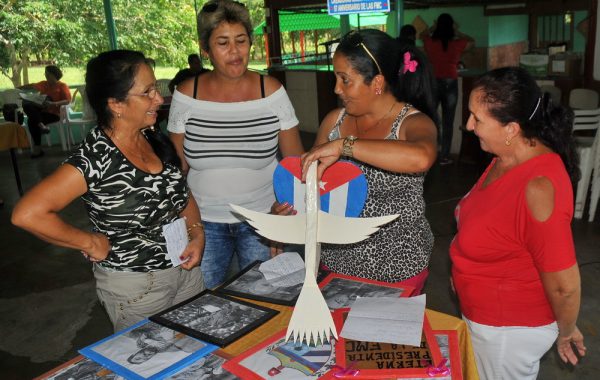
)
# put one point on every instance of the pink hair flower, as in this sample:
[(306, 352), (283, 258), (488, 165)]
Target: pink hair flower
[(409, 64)]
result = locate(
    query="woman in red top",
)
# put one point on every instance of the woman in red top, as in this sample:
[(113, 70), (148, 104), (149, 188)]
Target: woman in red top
[(49, 112), (513, 258), (444, 45)]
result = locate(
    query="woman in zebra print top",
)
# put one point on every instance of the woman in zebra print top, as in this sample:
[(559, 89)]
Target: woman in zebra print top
[(129, 177)]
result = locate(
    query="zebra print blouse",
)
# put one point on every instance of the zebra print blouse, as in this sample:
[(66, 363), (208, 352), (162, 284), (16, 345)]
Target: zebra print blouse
[(127, 204)]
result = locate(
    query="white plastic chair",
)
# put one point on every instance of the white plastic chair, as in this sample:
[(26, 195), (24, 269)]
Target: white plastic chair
[(62, 133), (583, 99), (84, 119), (162, 85), (595, 194), (587, 146)]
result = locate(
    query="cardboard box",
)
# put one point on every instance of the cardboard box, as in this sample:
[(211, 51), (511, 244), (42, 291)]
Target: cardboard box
[(565, 65), (536, 64)]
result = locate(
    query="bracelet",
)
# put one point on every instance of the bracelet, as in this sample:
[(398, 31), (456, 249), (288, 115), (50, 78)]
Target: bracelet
[(195, 225), (347, 145)]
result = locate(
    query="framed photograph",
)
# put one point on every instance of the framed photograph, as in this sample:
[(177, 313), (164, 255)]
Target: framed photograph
[(340, 290), (147, 350), (252, 284), (209, 367), (277, 359), (373, 360), (447, 340), (80, 367), (214, 318)]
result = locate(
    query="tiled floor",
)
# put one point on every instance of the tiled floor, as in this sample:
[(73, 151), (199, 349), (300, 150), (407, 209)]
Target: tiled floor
[(48, 306)]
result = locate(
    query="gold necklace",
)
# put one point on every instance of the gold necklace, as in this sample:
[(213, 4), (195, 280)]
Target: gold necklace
[(378, 121)]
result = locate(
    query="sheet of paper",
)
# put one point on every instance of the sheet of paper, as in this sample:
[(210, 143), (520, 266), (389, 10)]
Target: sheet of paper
[(386, 320), (283, 264), (291, 279), (34, 98), (176, 236)]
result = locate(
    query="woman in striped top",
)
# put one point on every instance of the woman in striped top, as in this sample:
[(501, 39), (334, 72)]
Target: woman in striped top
[(228, 126)]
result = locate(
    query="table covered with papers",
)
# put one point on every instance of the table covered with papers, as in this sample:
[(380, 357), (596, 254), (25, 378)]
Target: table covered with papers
[(438, 321)]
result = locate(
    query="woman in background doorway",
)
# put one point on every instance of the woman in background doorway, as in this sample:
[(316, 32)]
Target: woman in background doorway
[(444, 45)]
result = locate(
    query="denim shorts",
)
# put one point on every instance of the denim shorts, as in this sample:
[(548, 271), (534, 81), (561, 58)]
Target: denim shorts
[(222, 241)]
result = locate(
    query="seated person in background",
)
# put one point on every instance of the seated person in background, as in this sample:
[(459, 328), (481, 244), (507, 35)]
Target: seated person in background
[(38, 115), (195, 68)]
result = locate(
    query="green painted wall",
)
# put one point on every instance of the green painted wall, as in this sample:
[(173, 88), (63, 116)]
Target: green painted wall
[(579, 41), (489, 31), (505, 30), (470, 20)]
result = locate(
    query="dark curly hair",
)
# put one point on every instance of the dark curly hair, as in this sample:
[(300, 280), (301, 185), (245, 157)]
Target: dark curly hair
[(512, 95), (414, 87)]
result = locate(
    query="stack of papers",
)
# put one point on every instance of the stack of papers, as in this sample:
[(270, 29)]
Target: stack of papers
[(34, 98), (386, 320)]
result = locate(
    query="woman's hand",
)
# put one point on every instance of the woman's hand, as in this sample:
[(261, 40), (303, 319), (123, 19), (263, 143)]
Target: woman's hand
[(565, 344), (327, 154), (192, 254), (283, 209), (280, 209), (100, 248)]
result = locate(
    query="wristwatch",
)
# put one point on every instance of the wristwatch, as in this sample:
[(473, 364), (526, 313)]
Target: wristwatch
[(347, 145)]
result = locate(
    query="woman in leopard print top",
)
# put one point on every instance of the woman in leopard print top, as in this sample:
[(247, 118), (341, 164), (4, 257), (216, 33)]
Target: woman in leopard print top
[(386, 126)]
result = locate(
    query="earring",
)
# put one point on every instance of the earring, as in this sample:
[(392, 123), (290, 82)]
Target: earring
[(378, 91), (507, 142), (118, 115)]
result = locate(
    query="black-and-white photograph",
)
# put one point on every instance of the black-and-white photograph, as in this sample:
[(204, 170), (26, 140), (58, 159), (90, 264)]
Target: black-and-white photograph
[(252, 284), (207, 367), (214, 318), (84, 369), (147, 350), (341, 292)]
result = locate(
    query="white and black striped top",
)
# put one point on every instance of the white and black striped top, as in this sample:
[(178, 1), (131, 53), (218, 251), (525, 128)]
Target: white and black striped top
[(231, 149)]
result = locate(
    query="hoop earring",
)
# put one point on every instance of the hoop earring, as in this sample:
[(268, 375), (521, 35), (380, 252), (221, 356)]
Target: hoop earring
[(507, 142)]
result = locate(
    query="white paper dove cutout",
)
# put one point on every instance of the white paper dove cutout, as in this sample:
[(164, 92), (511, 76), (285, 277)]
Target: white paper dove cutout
[(311, 319)]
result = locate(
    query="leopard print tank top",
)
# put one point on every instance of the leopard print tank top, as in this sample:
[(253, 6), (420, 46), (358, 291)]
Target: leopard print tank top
[(400, 249)]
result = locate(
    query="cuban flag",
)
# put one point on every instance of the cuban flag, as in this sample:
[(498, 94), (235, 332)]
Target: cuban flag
[(343, 187)]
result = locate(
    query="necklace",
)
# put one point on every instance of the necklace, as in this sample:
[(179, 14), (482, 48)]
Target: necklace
[(378, 121), (133, 152)]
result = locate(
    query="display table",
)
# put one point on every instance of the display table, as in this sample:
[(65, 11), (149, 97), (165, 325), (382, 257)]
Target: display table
[(13, 136), (438, 321)]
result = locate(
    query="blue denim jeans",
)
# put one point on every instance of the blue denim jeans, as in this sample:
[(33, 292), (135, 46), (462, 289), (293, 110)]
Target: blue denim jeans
[(447, 95), (222, 241)]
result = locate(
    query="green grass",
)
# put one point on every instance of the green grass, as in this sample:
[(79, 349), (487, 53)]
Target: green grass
[(75, 76)]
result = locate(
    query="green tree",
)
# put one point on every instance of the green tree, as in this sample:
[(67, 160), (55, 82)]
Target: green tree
[(70, 33)]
